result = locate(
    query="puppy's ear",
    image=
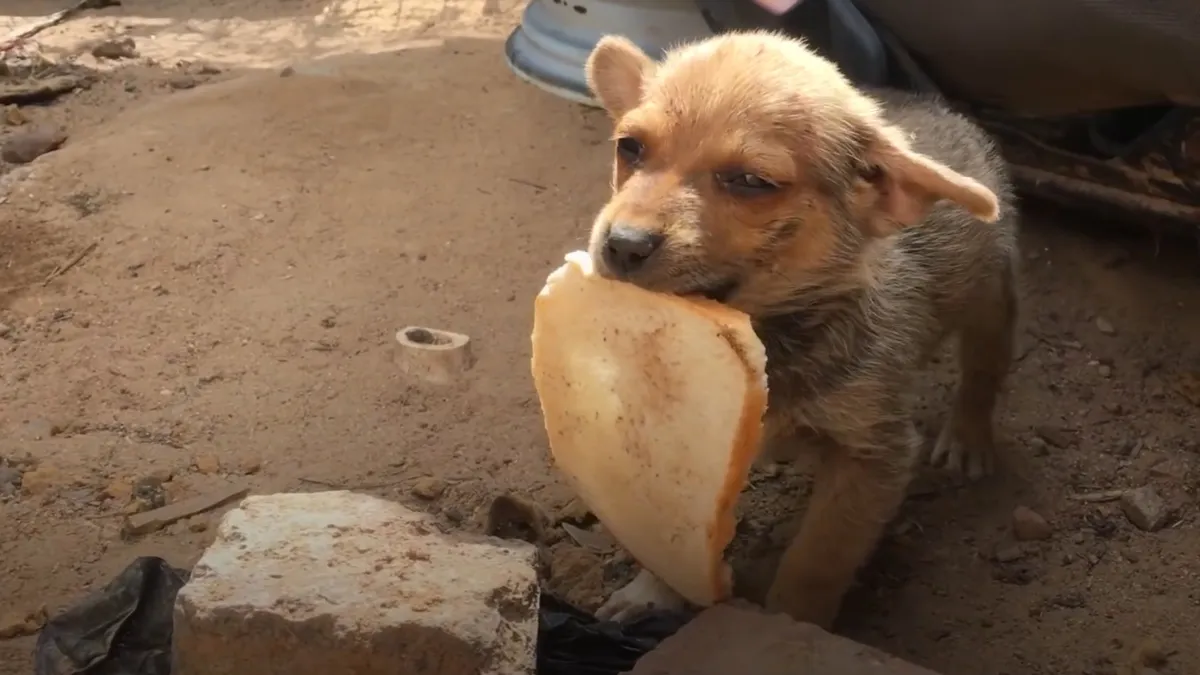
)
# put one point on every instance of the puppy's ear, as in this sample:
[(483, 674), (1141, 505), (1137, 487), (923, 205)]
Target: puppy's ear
[(906, 184), (616, 70)]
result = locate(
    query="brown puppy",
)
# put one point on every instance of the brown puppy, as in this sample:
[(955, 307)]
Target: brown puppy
[(857, 230)]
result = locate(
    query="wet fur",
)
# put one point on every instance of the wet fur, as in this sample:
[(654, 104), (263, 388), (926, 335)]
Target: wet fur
[(854, 272)]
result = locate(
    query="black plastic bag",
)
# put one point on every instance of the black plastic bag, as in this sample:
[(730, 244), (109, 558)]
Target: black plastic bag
[(573, 642), (122, 629), (125, 629)]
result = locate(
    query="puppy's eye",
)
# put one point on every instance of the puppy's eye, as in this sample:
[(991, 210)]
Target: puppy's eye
[(746, 184), (630, 149)]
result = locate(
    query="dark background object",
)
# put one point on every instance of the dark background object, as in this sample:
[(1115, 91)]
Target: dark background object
[(1123, 139), (1050, 59), (122, 629), (834, 28), (572, 642)]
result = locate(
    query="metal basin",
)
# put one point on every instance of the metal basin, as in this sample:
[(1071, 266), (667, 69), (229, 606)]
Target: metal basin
[(552, 43)]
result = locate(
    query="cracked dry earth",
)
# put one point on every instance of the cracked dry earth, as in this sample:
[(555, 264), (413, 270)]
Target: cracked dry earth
[(259, 239)]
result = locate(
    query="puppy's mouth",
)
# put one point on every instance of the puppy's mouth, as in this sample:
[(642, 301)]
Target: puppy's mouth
[(718, 292)]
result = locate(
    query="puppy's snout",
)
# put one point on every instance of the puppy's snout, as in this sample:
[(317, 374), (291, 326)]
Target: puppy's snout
[(626, 249)]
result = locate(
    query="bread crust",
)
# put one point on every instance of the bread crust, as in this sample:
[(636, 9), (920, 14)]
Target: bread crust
[(734, 328)]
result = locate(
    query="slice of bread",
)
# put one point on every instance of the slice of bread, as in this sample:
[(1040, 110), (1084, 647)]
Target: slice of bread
[(653, 405)]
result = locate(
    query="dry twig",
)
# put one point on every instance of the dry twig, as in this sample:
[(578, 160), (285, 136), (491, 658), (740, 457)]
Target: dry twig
[(1097, 497), (339, 486), (62, 269)]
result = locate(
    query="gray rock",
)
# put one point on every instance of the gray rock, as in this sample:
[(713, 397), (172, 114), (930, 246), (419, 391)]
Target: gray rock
[(25, 146), (733, 638), (339, 582), (10, 481), (1145, 508)]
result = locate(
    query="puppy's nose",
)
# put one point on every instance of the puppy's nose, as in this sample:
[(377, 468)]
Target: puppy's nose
[(626, 249)]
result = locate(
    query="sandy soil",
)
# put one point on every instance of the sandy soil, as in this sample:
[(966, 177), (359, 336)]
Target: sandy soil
[(260, 237)]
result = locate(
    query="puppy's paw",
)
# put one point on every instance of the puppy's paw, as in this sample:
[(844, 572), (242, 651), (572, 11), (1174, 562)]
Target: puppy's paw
[(644, 594), (964, 449)]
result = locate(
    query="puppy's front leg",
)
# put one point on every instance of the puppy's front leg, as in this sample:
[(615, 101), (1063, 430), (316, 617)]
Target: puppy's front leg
[(645, 593), (856, 493)]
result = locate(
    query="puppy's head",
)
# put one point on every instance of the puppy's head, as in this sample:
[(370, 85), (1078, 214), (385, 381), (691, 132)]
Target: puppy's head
[(748, 169)]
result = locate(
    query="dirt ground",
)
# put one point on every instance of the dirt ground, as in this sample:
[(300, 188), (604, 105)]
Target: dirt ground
[(260, 234)]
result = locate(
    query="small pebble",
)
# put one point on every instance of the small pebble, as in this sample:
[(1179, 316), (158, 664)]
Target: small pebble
[(42, 480), (120, 490), (249, 467), (429, 488), (574, 511), (1029, 525), (511, 516), (1105, 371), (207, 464), (1128, 446), (1105, 326), (147, 493), (10, 475), (1150, 653), (1039, 446), (182, 81), (1009, 554), (597, 541), (124, 48), (1173, 468), (25, 146), (1059, 437), (1145, 508), (204, 69), (13, 116), (136, 506), (20, 624)]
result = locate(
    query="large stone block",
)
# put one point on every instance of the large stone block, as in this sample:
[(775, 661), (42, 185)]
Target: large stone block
[(337, 582), (736, 639)]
